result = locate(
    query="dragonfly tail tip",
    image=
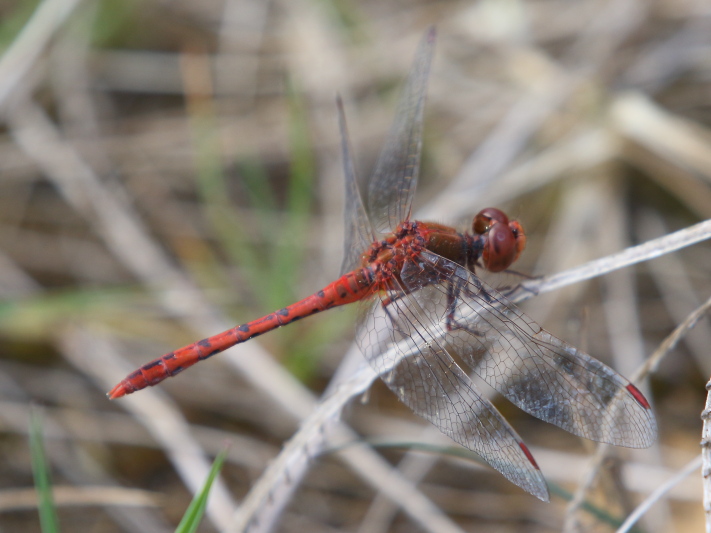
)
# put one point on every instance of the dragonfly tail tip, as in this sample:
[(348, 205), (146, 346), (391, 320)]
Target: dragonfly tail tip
[(117, 392)]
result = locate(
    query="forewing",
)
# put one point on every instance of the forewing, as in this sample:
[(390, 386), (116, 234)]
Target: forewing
[(394, 180), (358, 231), (541, 374), (412, 362)]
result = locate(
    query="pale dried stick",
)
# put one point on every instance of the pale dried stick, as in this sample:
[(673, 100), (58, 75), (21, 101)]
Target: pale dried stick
[(414, 466), (667, 345), (675, 286), (27, 47), (67, 496), (603, 33), (706, 456), (269, 495), (636, 254), (657, 494), (671, 341), (674, 138)]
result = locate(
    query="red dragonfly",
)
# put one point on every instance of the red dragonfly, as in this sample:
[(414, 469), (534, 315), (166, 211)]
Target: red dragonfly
[(424, 302)]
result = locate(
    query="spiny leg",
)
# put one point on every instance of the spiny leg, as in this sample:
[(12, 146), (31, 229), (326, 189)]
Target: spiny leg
[(454, 289)]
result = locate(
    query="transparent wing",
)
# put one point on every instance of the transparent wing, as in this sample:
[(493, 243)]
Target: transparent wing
[(541, 374), (358, 231), (394, 180), (412, 362)]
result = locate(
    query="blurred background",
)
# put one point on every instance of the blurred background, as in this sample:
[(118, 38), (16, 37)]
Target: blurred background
[(171, 169)]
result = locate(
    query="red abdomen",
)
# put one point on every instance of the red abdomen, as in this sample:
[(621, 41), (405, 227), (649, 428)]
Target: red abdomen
[(348, 288)]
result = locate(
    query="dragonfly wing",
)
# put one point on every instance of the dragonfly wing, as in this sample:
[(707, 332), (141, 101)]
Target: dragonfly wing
[(540, 373), (426, 379), (359, 232), (394, 180)]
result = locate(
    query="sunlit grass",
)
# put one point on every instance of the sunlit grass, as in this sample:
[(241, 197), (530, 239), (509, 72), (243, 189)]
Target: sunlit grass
[(49, 521), (41, 471), (195, 511)]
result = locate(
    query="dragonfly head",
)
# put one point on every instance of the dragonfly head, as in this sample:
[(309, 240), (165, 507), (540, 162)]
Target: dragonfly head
[(503, 240)]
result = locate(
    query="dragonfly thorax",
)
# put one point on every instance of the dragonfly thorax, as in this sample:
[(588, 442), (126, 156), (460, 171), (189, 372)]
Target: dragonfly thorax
[(388, 255), (494, 244)]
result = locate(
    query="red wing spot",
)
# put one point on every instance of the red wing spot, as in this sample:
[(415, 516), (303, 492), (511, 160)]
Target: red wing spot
[(528, 454), (637, 395)]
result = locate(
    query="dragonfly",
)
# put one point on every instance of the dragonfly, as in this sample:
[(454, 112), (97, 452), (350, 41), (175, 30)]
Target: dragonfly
[(423, 304)]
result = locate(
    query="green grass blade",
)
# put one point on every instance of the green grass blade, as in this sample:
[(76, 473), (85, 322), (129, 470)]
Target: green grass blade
[(196, 509), (40, 469)]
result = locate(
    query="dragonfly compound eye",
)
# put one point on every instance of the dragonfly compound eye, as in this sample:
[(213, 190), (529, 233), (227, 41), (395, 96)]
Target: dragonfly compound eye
[(520, 237), (500, 248), (488, 217)]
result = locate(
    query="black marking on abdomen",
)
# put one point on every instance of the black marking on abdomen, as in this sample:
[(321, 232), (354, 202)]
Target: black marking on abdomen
[(152, 364), (206, 344), (283, 312), (255, 335)]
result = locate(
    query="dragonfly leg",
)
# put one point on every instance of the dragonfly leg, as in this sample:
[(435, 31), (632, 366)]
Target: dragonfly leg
[(400, 293), (454, 288), (511, 292), (385, 303), (392, 299), (521, 274), (452, 294)]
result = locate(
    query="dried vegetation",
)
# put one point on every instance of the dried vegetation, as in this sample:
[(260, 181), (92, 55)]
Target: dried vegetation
[(169, 169)]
